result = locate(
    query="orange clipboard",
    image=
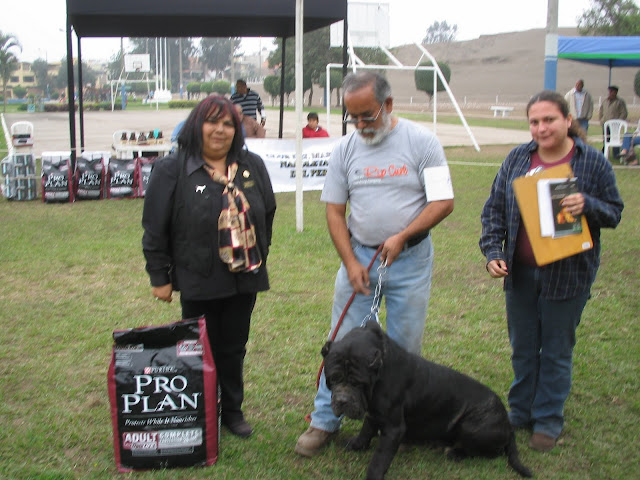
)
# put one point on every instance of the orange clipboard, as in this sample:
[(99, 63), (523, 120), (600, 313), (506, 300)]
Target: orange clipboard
[(547, 249)]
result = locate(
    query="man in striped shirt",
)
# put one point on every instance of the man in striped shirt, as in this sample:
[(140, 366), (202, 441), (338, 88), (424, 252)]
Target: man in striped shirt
[(249, 100)]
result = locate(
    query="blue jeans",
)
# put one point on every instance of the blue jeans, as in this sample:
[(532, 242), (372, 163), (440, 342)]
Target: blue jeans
[(406, 288), (626, 141), (542, 333)]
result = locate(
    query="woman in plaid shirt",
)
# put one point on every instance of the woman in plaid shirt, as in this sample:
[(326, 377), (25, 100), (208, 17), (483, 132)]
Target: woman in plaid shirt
[(544, 303)]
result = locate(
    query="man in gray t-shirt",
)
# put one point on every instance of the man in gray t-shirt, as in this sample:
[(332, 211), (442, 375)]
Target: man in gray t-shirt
[(385, 171)]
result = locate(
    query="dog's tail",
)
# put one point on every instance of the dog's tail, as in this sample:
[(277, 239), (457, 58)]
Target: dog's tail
[(514, 458)]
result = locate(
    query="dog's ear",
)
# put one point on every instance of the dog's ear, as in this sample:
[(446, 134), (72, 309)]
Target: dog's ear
[(326, 348), (372, 325)]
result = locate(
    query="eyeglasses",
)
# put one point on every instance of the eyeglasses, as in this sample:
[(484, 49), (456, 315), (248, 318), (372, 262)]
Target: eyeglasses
[(357, 119)]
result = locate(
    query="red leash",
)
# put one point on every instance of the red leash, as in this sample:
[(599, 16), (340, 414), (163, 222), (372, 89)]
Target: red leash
[(344, 312), (335, 332)]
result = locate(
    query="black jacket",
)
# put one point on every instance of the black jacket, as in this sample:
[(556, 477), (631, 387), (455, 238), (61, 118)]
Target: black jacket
[(180, 221)]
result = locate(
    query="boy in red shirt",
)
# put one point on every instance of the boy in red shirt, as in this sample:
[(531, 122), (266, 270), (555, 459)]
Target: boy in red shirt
[(312, 129)]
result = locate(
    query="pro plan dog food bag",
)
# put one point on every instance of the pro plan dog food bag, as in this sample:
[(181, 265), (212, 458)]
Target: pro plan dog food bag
[(89, 178), (164, 397), (122, 178), (57, 184)]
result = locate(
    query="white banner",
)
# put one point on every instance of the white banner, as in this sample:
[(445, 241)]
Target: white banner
[(279, 156)]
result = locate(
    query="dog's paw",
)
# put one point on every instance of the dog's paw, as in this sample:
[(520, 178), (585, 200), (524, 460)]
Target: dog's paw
[(357, 444)]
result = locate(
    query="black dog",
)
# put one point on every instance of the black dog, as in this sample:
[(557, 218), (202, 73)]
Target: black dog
[(408, 398)]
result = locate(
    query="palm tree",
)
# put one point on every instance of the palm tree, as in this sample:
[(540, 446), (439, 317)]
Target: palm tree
[(8, 61)]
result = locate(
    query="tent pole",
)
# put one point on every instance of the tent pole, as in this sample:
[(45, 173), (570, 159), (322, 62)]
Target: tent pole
[(80, 98), (345, 61), (70, 99), (299, 95), (282, 62)]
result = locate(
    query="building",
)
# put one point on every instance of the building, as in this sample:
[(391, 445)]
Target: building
[(25, 77)]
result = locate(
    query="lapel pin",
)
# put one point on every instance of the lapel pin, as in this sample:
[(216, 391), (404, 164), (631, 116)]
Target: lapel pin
[(200, 188), (246, 174)]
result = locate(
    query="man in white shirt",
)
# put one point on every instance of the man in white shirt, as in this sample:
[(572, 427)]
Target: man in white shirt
[(580, 104)]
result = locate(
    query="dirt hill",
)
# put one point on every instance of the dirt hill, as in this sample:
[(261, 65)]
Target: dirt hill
[(507, 69)]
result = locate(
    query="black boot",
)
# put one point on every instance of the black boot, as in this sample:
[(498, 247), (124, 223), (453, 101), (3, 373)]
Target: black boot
[(237, 424)]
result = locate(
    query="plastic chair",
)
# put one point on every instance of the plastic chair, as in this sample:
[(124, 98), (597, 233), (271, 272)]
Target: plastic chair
[(22, 134), (616, 129)]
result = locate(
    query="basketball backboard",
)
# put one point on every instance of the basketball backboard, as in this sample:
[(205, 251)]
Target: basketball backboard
[(137, 63), (368, 25)]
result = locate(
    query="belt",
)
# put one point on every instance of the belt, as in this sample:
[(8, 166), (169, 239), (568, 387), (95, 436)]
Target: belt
[(412, 242)]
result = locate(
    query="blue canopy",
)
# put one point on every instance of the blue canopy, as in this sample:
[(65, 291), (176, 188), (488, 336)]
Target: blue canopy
[(607, 51)]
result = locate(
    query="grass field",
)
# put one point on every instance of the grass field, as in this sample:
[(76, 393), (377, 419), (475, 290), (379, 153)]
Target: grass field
[(71, 274)]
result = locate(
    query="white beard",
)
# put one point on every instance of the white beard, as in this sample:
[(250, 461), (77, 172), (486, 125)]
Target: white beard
[(380, 133)]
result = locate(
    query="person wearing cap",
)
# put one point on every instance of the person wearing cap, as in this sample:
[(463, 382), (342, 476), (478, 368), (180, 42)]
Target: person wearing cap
[(612, 108)]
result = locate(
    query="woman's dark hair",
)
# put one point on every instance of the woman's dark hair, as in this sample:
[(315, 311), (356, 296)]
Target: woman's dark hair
[(554, 97), (212, 107)]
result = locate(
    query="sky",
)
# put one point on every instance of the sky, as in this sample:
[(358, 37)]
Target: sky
[(39, 24)]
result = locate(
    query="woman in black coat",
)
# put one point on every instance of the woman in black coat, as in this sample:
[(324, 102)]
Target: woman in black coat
[(207, 219)]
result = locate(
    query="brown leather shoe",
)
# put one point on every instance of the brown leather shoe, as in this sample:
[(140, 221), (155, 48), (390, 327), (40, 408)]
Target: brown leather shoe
[(542, 442), (312, 441)]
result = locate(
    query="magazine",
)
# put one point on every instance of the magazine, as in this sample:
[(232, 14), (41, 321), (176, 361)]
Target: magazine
[(555, 220)]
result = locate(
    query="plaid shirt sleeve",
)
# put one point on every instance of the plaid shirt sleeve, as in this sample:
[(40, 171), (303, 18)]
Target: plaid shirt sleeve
[(500, 216)]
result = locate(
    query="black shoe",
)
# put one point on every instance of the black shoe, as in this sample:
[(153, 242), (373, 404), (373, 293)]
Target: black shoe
[(238, 427)]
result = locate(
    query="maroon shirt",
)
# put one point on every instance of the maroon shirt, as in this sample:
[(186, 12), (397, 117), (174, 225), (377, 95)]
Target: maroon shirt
[(524, 252)]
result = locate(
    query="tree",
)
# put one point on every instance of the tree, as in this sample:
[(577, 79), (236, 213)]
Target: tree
[(206, 88), (271, 85), (19, 91), (424, 78), (440, 32), (335, 83), (8, 62), (40, 68), (217, 53), (610, 18), (221, 87), (114, 67), (89, 76), (193, 90), (636, 83), (316, 55)]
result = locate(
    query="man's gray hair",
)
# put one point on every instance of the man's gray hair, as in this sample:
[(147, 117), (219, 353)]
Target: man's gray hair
[(356, 81)]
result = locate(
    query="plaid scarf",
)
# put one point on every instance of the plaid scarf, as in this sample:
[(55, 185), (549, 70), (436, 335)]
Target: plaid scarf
[(236, 234)]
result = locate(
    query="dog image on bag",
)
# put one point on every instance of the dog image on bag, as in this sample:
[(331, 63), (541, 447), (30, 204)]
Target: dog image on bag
[(406, 398)]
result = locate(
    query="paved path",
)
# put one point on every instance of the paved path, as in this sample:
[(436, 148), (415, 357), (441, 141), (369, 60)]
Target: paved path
[(51, 130)]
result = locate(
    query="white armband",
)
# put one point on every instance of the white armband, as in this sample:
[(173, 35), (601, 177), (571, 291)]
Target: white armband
[(437, 183)]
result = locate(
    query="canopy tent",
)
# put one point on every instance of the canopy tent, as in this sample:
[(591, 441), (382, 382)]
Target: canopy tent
[(187, 18), (607, 51), (198, 18)]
